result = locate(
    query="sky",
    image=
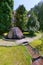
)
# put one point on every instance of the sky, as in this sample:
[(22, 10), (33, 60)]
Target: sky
[(27, 3)]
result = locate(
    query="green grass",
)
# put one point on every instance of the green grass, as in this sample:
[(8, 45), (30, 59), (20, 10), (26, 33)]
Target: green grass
[(26, 34), (14, 56), (18, 55), (38, 44), (40, 47)]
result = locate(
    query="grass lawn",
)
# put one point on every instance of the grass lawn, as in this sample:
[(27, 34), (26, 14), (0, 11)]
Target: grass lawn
[(18, 55), (14, 56), (26, 34), (38, 44)]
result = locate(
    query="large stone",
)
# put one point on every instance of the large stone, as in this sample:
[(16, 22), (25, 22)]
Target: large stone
[(10, 34), (15, 33)]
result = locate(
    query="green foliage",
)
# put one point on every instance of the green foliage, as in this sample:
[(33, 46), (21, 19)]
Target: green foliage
[(21, 17), (6, 8), (38, 10), (40, 15), (33, 24), (40, 47)]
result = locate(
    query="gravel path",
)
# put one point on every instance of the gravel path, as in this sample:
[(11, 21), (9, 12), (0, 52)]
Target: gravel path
[(17, 42)]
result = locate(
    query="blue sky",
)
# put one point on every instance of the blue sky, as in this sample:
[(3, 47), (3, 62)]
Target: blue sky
[(27, 3)]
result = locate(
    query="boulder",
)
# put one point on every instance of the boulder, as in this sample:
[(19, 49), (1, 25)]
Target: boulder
[(15, 33)]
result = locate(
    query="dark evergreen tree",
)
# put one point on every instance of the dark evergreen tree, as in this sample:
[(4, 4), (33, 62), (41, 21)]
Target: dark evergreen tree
[(21, 17), (32, 24), (6, 8), (38, 10)]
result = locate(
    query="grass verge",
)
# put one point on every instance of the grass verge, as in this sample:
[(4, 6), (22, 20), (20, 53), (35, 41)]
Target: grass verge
[(14, 56)]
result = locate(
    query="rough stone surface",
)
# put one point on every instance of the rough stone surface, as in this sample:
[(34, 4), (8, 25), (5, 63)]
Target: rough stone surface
[(15, 33)]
